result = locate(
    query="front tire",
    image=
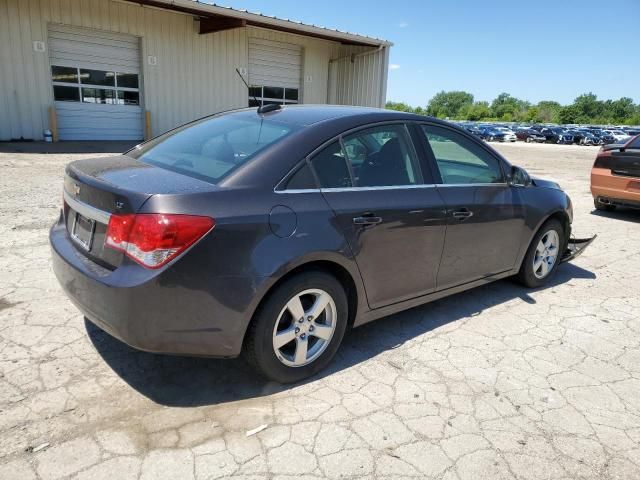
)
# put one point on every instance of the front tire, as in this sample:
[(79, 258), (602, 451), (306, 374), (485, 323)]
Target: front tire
[(543, 256), (298, 329)]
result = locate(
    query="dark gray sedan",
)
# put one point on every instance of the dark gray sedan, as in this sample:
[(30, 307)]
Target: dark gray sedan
[(270, 233)]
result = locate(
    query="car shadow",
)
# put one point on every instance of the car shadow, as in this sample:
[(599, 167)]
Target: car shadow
[(620, 213), (188, 381)]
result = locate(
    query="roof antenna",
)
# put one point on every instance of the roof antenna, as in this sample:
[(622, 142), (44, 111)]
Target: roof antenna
[(263, 108)]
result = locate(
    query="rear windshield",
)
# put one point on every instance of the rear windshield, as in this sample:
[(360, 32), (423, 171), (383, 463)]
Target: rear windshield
[(211, 148)]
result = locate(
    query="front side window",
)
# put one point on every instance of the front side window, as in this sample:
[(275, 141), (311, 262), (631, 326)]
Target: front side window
[(382, 156), (72, 84), (459, 159), (211, 148)]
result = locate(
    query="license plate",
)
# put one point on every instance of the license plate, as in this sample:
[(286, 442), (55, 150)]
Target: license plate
[(82, 231)]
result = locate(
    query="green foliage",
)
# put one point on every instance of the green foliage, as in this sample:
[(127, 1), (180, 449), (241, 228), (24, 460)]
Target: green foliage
[(585, 109), (449, 104)]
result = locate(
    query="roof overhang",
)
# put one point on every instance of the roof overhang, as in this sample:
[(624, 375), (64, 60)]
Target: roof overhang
[(214, 18)]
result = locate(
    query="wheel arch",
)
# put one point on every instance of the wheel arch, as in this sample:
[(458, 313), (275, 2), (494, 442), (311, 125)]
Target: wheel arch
[(559, 215), (348, 279)]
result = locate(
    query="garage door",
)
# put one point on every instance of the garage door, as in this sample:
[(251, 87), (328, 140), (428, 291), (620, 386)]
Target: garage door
[(275, 69), (96, 84)]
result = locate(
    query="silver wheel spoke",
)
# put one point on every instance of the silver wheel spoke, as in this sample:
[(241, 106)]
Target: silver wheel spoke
[(537, 263), (304, 339), (322, 331), (301, 351), (319, 305), (284, 337), (544, 268), (546, 254), (295, 308)]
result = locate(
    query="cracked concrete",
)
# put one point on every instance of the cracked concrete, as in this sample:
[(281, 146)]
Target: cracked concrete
[(498, 382)]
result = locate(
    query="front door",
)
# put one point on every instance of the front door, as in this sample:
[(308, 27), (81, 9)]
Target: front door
[(485, 219), (392, 220)]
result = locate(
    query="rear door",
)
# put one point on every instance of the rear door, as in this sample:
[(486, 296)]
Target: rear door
[(485, 217), (388, 209)]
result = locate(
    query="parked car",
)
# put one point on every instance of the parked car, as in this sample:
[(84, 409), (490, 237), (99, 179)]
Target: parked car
[(588, 138), (509, 135), (618, 135), (271, 232), (605, 138), (491, 134), (530, 135), (557, 135), (615, 176)]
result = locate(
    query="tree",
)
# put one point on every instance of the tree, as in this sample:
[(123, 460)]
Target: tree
[(399, 106), (587, 108), (548, 111), (569, 114), (618, 111), (477, 111), (508, 108), (449, 104)]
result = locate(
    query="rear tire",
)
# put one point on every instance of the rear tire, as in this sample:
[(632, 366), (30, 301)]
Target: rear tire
[(528, 140), (543, 256), (602, 206), (313, 343)]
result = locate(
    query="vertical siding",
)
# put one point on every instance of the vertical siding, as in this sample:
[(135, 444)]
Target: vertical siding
[(362, 81), (315, 61), (194, 76)]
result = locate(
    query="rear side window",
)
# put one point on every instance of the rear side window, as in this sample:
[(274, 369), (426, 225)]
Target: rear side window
[(302, 179), (211, 148), (459, 159), (635, 144), (331, 167)]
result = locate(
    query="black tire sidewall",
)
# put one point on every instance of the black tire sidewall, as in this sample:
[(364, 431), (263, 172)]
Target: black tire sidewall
[(260, 347), (526, 274)]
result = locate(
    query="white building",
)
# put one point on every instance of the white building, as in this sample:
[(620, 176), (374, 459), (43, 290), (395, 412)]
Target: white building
[(119, 69)]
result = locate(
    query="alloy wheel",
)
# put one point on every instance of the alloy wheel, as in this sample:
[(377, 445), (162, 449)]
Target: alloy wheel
[(546, 254), (304, 327)]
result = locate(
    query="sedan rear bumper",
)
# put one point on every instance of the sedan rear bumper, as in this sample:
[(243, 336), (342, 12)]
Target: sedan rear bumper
[(612, 189), (168, 311)]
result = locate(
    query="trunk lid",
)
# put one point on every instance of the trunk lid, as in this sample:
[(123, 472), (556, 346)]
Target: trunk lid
[(94, 189)]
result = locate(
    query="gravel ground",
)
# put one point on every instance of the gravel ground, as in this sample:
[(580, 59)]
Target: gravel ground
[(498, 382)]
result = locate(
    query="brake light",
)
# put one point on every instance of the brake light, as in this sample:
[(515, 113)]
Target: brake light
[(153, 239)]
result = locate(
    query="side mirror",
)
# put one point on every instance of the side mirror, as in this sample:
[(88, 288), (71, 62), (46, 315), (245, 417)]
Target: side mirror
[(519, 177)]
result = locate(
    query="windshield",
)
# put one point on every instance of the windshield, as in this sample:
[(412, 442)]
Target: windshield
[(211, 148)]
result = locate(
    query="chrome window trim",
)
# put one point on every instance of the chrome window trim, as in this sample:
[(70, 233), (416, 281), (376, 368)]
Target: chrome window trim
[(381, 187), (500, 184), (299, 190), (87, 210), (391, 187)]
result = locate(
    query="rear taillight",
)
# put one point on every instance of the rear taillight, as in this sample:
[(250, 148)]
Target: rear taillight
[(153, 239)]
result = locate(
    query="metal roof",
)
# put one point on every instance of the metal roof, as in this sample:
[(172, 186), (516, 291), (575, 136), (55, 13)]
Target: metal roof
[(214, 11)]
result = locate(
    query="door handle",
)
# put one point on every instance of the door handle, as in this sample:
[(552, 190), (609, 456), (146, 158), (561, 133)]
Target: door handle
[(367, 219), (462, 214)]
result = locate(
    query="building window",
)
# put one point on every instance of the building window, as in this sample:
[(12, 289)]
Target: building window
[(260, 95), (71, 84)]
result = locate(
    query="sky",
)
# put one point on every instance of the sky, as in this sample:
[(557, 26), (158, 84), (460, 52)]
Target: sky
[(534, 50)]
